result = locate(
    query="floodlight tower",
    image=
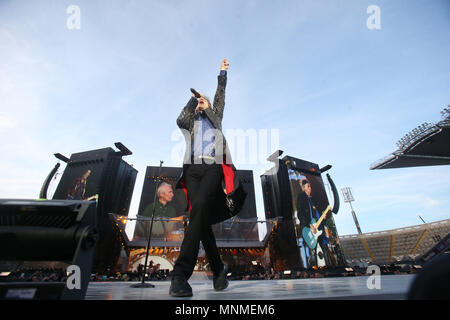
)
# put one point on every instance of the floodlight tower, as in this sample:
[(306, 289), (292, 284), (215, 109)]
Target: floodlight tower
[(348, 197)]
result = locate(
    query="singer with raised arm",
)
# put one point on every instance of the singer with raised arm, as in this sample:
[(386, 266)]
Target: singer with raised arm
[(208, 176)]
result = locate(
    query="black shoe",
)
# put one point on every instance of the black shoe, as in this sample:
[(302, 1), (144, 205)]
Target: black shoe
[(220, 280), (179, 287)]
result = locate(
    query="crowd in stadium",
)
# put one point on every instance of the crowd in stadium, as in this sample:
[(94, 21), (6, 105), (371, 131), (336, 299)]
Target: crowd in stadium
[(234, 273), (259, 273), (35, 275)]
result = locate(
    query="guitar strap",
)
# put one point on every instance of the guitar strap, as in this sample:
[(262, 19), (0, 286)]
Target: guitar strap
[(311, 211), (324, 237)]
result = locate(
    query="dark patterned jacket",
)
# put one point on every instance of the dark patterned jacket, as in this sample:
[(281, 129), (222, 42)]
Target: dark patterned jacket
[(186, 122), (229, 204)]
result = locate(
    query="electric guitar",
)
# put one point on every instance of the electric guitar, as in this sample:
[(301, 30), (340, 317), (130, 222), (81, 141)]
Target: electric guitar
[(311, 238), (70, 197), (320, 257), (92, 198)]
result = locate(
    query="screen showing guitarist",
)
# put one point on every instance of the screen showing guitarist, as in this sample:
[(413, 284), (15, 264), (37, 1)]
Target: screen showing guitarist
[(77, 190), (312, 219)]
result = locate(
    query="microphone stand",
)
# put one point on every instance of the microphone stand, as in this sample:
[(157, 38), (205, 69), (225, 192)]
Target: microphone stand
[(143, 284)]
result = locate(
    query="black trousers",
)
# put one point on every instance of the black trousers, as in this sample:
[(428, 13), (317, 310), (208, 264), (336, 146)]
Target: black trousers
[(202, 183)]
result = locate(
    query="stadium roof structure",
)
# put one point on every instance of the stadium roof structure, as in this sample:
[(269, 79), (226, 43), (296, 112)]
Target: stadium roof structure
[(426, 145), (395, 245)]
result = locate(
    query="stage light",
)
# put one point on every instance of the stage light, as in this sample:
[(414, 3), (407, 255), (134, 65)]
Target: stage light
[(287, 272), (326, 168), (349, 269), (61, 157), (254, 263), (274, 156), (124, 150)]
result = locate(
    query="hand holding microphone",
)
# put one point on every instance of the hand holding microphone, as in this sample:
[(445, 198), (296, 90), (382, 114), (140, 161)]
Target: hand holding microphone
[(195, 93), (202, 102)]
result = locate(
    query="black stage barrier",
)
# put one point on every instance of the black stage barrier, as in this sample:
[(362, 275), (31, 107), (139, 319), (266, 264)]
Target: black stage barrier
[(50, 230)]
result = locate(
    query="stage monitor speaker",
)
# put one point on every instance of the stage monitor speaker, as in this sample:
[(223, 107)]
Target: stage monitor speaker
[(50, 230)]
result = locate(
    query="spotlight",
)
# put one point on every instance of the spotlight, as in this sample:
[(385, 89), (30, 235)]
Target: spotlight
[(274, 156), (61, 157), (326, 168), (125, 151)]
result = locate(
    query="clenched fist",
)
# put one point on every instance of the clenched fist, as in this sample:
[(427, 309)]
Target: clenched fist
[(225, 65)]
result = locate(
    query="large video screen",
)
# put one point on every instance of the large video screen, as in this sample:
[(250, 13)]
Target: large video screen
[(170, 215), (83, 175), (315, 227)]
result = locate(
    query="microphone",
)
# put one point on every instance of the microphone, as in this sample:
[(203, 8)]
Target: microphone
[(196, 94)]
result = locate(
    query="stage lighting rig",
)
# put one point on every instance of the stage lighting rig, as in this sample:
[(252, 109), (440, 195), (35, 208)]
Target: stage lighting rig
[(62, 158), (326, 168), (124, 150), (274, 156)]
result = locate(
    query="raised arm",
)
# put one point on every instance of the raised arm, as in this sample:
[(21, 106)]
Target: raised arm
[(219, 98)]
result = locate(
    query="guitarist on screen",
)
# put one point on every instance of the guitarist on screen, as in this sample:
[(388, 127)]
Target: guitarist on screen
[(78, 188), (307, 210)]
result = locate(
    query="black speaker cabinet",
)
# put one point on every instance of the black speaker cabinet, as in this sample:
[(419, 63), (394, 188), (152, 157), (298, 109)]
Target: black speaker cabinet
[(101, 172), (50, 230)]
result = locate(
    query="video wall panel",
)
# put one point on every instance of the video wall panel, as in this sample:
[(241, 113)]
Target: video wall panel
[(307, 235), (315, 227), (83, 177), (171, 214), (100, 174)]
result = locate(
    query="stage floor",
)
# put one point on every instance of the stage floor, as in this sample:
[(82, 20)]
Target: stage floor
[(392, 287)]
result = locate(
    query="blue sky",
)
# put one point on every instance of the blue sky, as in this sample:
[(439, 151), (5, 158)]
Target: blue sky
[(338, 93)]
